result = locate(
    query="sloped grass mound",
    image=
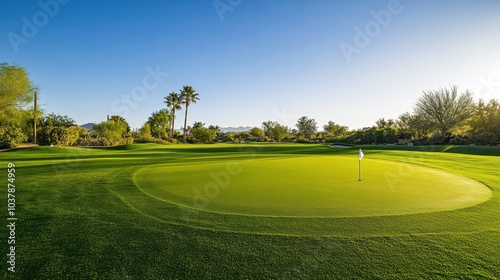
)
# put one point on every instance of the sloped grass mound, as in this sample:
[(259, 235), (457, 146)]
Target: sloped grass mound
[(310, 186)]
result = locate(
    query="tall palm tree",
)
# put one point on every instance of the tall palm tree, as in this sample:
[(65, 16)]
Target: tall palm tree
[(188, 96), (173, 101)]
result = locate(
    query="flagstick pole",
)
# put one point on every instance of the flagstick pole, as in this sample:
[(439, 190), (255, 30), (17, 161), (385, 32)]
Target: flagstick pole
[(359, 170)]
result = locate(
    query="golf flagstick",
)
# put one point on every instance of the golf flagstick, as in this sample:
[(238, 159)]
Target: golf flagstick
[(361, 155)]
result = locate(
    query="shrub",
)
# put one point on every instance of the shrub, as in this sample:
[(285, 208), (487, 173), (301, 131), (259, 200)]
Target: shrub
[(11, 137), (59, 136), (460, 140), (150, 139), (89, 141), (204, 135)]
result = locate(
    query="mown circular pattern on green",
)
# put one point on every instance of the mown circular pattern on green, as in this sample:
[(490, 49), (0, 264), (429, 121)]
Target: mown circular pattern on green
[(310, 186)]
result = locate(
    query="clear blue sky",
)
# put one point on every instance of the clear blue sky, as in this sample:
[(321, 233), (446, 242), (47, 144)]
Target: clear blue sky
[(258, 60)]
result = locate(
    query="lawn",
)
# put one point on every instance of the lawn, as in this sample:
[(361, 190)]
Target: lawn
[(290, 211)]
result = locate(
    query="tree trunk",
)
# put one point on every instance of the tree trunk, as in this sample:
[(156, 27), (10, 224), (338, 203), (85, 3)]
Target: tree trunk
[(172, 124), (185, 123)]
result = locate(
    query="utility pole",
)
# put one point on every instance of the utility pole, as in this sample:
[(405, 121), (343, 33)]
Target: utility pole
[(35, 117)]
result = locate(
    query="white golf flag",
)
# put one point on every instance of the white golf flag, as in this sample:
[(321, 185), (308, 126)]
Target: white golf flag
[(361, 155)]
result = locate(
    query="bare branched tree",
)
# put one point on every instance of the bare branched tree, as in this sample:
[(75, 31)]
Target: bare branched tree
[(445, 109)]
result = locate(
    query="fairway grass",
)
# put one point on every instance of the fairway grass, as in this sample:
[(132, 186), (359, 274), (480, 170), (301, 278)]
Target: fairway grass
[(310, 186), (288, 211)]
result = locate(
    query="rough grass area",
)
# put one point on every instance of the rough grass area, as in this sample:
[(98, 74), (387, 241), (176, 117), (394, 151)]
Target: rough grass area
[(81, 215)]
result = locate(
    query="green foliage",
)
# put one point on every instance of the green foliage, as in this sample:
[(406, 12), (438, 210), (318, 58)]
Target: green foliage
[(335, 130), (145, 131), (203, 134), (54, 120), (187, 97), (16, 92), (257, 133), (120, 119), (145, 136), (275, 131), (198, 125), (444, 109), (16, 89), (218, 131), (59, 135), (280, 132), (159, 123), (90, 142), (174, 102), (11, 137), (306, 126), (485, 123), (113, 133), (56, 129)]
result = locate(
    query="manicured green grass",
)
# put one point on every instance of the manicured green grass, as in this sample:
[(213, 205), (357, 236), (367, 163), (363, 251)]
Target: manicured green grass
[(309, 186), (128, 212)]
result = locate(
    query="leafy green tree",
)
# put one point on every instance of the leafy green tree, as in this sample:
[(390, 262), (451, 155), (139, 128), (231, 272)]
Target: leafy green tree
[(188, 96), (334, 130), (445, 109), (16, 92), (385, 131), (229, 137), (275, 131), (54, 120), (268, 127), (421, 126), (257, 133), (159, 123), (66, 136), (280, 132), (244, 135), (306, 126), (113, 132), (485, 123), (203, 134), (218, 131), (53, 130), (144, 135), (120, 119), (145, 131), (486, 117), (385, 124), (174, 102), (16, 89), (198, 125)]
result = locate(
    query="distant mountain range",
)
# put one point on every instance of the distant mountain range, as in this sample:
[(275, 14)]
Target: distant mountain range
[(89, 126), (236, 129)]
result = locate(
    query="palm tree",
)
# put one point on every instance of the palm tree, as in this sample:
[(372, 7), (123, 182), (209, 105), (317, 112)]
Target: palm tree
[(173, 101), (188, 96)]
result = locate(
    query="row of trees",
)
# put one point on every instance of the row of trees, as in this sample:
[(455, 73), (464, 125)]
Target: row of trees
[(439, 117), (175, 101)]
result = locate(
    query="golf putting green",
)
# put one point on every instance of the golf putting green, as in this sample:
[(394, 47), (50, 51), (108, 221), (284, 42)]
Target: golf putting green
[(310, 186)]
